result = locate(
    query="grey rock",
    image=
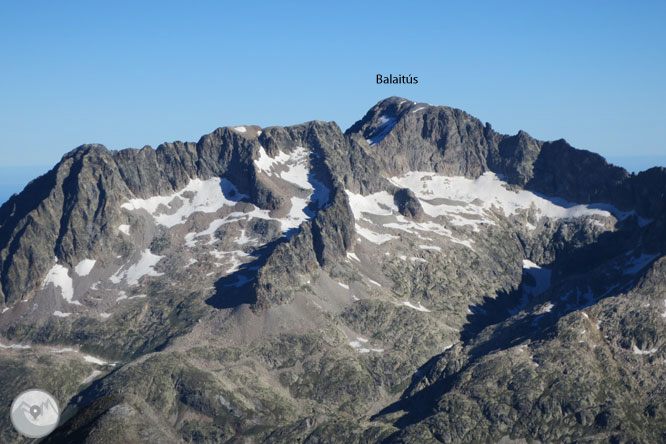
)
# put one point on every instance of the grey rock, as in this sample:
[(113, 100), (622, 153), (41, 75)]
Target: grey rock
[(325, 333)]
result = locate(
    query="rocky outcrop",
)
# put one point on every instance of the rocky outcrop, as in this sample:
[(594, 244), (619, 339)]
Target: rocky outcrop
[(408, 204)]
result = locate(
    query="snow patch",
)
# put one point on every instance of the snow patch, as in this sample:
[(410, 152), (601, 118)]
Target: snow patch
[(296, 164), (359, 346), (144, 267), (240, 129), (346, 287), (105, 315), (298, 173), (61, 314), (63, 350), (379, 204), (375, 238), (386, 124), (205, 196), (15, 346), (94, 360), (235, 259), (351, 255), (243, 239), (59, 277), (298, 170), (416, 307), (91, 377), (541, 277), (125, 229), (638, 351), (474, 197), (265, 163), (382, 204), (83, 268), (191, 261)]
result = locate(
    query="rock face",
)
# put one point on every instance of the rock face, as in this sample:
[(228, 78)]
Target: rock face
[(418, 278), (408, 204)]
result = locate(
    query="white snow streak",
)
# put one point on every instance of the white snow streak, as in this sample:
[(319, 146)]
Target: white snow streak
[(351, 255), (415, 307), (638, 351), (63, 350), (15, 346), (94, 360), (91, 377)]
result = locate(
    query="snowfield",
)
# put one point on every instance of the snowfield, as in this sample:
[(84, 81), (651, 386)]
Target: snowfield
[(133, 273), (84, 267), (59, 277), (206, 196)]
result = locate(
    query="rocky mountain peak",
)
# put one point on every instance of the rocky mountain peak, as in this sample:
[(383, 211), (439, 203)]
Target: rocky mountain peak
[(299, 283)]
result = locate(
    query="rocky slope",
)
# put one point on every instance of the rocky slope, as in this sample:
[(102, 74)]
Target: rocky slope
[(418, 278)]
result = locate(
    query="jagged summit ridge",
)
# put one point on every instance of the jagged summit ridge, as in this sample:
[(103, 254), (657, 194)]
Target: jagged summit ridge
[(439, 139), (270, 284)]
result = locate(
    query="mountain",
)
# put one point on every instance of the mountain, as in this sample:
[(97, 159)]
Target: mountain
[(418, 278)]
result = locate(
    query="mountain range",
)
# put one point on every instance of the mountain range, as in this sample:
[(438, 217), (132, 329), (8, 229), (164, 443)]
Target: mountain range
[(418, 278)]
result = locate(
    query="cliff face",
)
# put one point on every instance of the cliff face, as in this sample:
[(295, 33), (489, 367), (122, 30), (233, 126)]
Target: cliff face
[(418, 278), (72, 212)]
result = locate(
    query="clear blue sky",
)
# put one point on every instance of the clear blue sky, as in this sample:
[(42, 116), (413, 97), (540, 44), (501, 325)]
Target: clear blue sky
[(127, 74)]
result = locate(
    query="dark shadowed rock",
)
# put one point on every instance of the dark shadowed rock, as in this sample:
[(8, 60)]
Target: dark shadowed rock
[(408, 204)]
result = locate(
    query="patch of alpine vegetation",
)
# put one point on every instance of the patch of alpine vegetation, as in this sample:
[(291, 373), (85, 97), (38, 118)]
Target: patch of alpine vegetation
[(418, 278)]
